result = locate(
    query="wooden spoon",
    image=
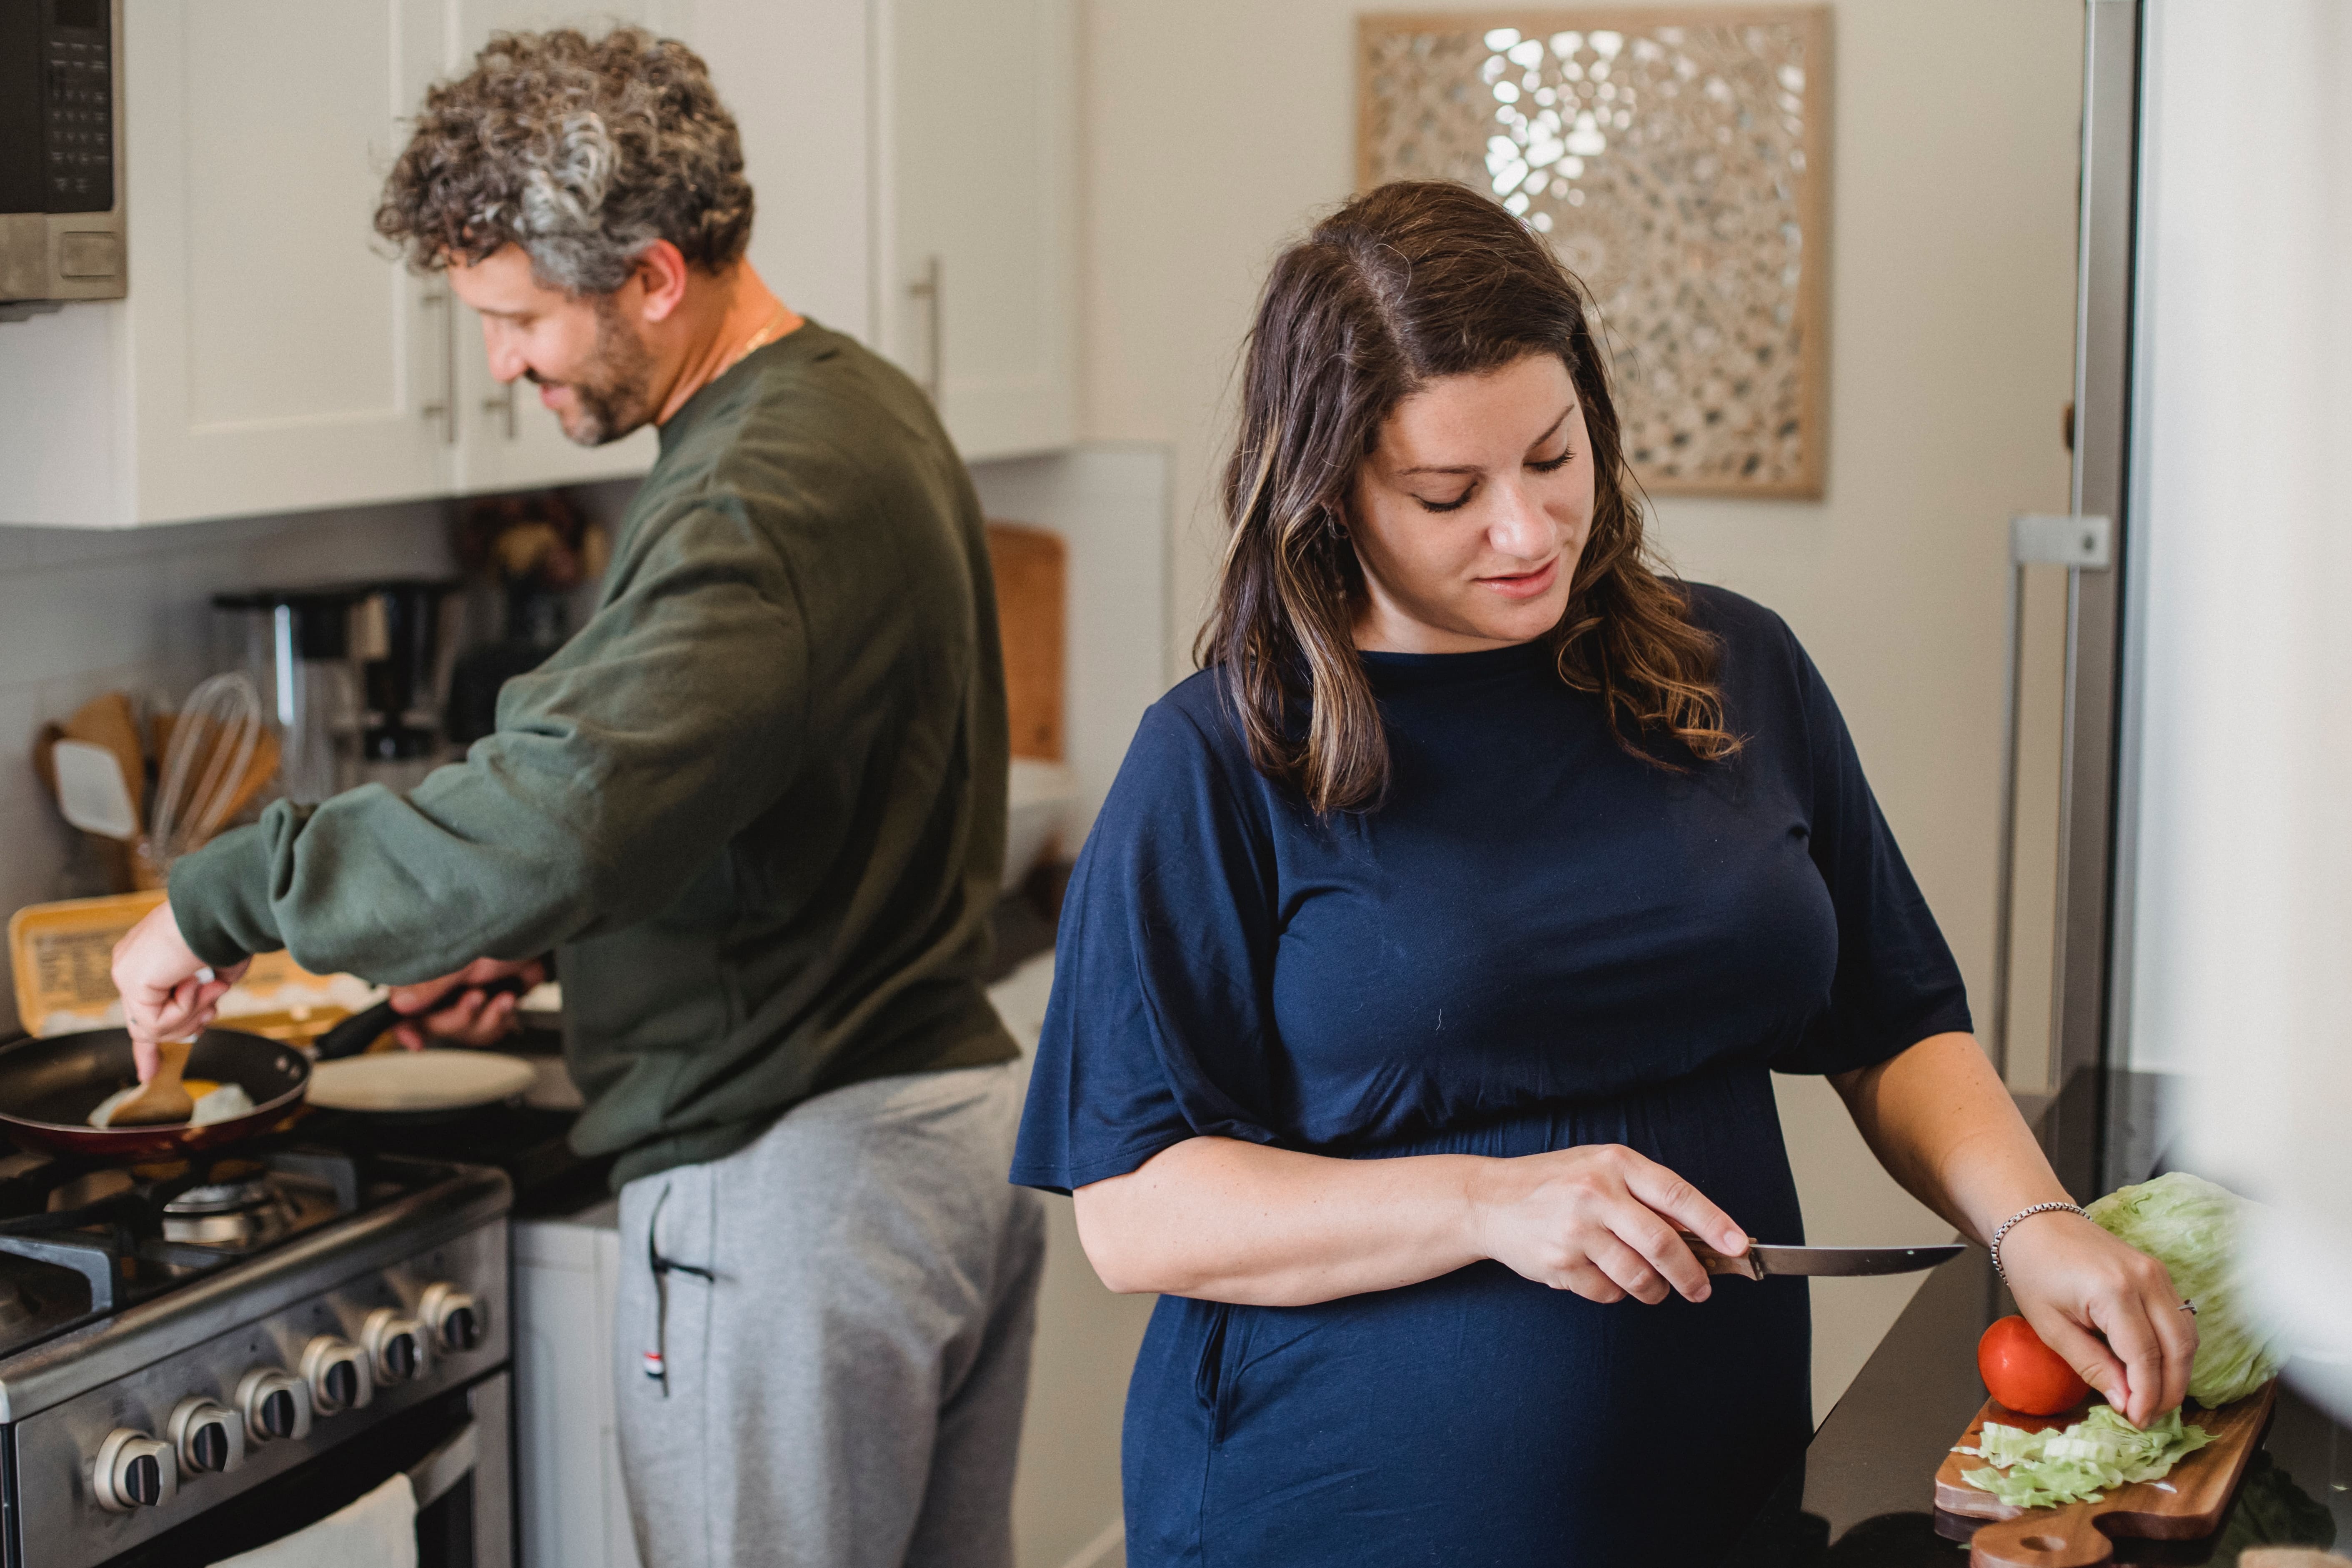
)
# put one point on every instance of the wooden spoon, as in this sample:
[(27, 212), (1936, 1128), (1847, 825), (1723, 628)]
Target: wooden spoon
[(44, 760), (161, 1099)]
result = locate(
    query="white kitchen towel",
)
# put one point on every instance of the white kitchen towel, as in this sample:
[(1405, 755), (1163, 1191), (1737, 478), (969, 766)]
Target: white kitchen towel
[(377, 1531)]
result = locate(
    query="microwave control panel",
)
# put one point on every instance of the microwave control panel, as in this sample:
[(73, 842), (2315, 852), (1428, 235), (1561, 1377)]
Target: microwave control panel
[(78, 79)]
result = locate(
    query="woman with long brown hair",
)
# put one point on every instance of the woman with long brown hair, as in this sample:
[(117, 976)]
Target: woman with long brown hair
[(1424, 972)]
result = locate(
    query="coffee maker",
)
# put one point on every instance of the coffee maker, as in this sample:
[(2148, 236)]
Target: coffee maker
[(295, 643), (352, 674), (403, 646)]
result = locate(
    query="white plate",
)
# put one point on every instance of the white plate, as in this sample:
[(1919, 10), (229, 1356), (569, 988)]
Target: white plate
[(419, 1081)]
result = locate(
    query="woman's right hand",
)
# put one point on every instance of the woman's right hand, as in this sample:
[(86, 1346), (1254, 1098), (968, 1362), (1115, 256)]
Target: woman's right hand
[(1600, 1220)]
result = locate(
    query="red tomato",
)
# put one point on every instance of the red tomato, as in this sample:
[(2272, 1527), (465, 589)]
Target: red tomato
[(2025, 1375)]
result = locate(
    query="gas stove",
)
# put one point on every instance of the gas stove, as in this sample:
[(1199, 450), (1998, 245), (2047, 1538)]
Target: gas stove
[(188, 1351)]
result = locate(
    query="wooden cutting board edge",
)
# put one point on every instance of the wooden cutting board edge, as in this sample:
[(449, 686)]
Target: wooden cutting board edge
[(2203, 1484)]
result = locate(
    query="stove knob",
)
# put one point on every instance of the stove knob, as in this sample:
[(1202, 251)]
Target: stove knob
[(457, 1320), (399, 1346), (337, 1372), (275, 1407), (133, 1471), (210, 1438)]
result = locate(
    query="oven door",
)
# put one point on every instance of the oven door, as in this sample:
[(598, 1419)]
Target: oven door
[(455, 1451)]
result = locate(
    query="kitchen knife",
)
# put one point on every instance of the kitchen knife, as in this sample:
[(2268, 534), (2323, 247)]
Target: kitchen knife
[(1761, 1259)]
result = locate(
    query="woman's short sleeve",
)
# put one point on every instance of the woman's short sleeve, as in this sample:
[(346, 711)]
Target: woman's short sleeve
[(1157, 1028), (1896, 982)]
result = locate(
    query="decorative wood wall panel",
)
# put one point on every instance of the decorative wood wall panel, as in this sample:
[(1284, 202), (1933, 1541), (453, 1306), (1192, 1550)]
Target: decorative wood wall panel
[(1678, 159)]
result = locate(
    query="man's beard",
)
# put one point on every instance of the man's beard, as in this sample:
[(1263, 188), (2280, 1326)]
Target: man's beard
[(609, 393)]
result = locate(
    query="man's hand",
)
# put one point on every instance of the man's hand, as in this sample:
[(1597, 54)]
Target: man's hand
[(167, 991), (454, 1010)]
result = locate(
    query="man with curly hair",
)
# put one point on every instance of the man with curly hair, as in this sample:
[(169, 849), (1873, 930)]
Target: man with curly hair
[(756, 807)]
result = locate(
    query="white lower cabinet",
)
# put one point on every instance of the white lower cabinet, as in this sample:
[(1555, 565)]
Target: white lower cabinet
[(271, 357), (570, 1503)]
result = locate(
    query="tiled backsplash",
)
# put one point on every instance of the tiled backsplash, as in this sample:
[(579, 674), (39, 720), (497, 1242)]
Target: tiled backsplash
[(84, 612)]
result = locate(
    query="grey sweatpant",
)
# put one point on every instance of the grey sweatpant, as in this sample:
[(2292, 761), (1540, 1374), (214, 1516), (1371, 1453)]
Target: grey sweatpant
[(830, 1372)]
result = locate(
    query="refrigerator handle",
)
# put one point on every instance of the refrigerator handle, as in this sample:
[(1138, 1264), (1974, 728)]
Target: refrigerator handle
[(2080, 544)]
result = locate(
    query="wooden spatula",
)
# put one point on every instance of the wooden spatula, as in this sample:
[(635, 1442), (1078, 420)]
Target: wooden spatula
[(161, 1099)]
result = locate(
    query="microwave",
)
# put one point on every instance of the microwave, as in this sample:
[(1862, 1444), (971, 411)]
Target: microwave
[(61, 197)]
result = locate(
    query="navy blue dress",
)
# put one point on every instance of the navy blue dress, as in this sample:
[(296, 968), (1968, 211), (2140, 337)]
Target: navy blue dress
[(1535, 941)]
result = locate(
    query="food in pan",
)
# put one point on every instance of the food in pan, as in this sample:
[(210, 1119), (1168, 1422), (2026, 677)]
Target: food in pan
[(214, 1102)]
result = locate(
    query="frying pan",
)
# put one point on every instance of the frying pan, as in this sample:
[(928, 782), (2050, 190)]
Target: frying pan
[(49, 1087)]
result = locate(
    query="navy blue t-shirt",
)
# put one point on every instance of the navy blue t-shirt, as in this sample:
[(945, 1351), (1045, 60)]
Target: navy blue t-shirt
[(1535, 939)]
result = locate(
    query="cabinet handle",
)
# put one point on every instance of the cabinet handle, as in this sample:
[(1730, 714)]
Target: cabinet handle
[(502, 403), (928, 290), (445, 407)]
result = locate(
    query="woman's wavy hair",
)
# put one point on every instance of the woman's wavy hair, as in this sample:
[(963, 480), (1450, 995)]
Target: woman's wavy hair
[(1408, 283), (581, 151)]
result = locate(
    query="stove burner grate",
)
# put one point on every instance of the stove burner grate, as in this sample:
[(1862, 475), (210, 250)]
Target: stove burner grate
[(133, 1231), (250, 1212)]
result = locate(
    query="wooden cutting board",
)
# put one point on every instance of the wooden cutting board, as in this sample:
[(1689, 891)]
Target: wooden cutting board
[(1032, 572), (2080, 1535)]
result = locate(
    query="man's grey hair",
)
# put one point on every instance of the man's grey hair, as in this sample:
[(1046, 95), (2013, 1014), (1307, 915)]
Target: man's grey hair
[(582, 151)]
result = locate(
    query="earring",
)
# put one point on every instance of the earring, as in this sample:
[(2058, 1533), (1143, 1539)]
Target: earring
[(1338, 525)]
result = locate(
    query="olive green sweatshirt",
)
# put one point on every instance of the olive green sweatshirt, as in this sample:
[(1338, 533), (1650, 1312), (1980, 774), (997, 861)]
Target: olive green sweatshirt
[(756, 805)]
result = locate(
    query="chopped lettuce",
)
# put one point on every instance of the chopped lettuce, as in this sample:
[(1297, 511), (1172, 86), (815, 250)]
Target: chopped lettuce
[(2190, 1226), (2041, 1469)]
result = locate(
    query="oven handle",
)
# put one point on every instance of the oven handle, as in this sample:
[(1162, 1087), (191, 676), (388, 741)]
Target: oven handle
[(444, 1466)]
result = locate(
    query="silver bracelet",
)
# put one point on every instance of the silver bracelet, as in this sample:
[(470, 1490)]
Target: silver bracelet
[(2024, 1214)]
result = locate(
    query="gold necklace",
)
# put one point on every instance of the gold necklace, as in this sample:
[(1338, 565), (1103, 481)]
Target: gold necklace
[(759, 340)]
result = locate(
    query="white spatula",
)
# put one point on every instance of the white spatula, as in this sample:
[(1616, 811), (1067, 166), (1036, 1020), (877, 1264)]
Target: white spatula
[(92, 791)]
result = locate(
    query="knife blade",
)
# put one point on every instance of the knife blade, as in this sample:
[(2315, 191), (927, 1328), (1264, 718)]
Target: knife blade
[(1762, 1258)]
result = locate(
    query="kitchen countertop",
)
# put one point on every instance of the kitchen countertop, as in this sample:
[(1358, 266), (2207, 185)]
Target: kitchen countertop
[(1862, 1497)]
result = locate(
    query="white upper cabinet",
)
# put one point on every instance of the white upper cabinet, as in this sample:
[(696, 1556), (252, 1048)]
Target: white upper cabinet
[(293, 365), (976, 242), (268, 357), (914, 167), (795, 75)]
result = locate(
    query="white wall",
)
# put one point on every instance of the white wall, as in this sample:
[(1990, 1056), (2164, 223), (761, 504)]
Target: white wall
[(1214, 130), (2245, 538)]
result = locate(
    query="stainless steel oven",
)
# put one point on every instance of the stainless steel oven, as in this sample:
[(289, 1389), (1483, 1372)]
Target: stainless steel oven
[(454, 1451), (213, 1359), (62, 227)]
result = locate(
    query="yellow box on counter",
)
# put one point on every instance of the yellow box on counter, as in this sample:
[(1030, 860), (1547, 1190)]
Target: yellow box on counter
[(63, 957)]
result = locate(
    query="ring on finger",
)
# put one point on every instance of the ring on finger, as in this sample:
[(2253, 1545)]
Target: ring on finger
[(2189, 1305)]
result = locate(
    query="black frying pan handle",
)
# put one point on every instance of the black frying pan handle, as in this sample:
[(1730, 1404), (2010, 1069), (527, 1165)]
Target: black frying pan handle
[(358, 1032)]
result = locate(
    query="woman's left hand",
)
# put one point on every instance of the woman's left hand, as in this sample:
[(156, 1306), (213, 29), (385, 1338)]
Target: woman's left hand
[(2111, 1310)]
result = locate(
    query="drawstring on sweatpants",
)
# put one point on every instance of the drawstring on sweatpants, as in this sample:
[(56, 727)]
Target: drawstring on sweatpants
[(657, 1359)]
